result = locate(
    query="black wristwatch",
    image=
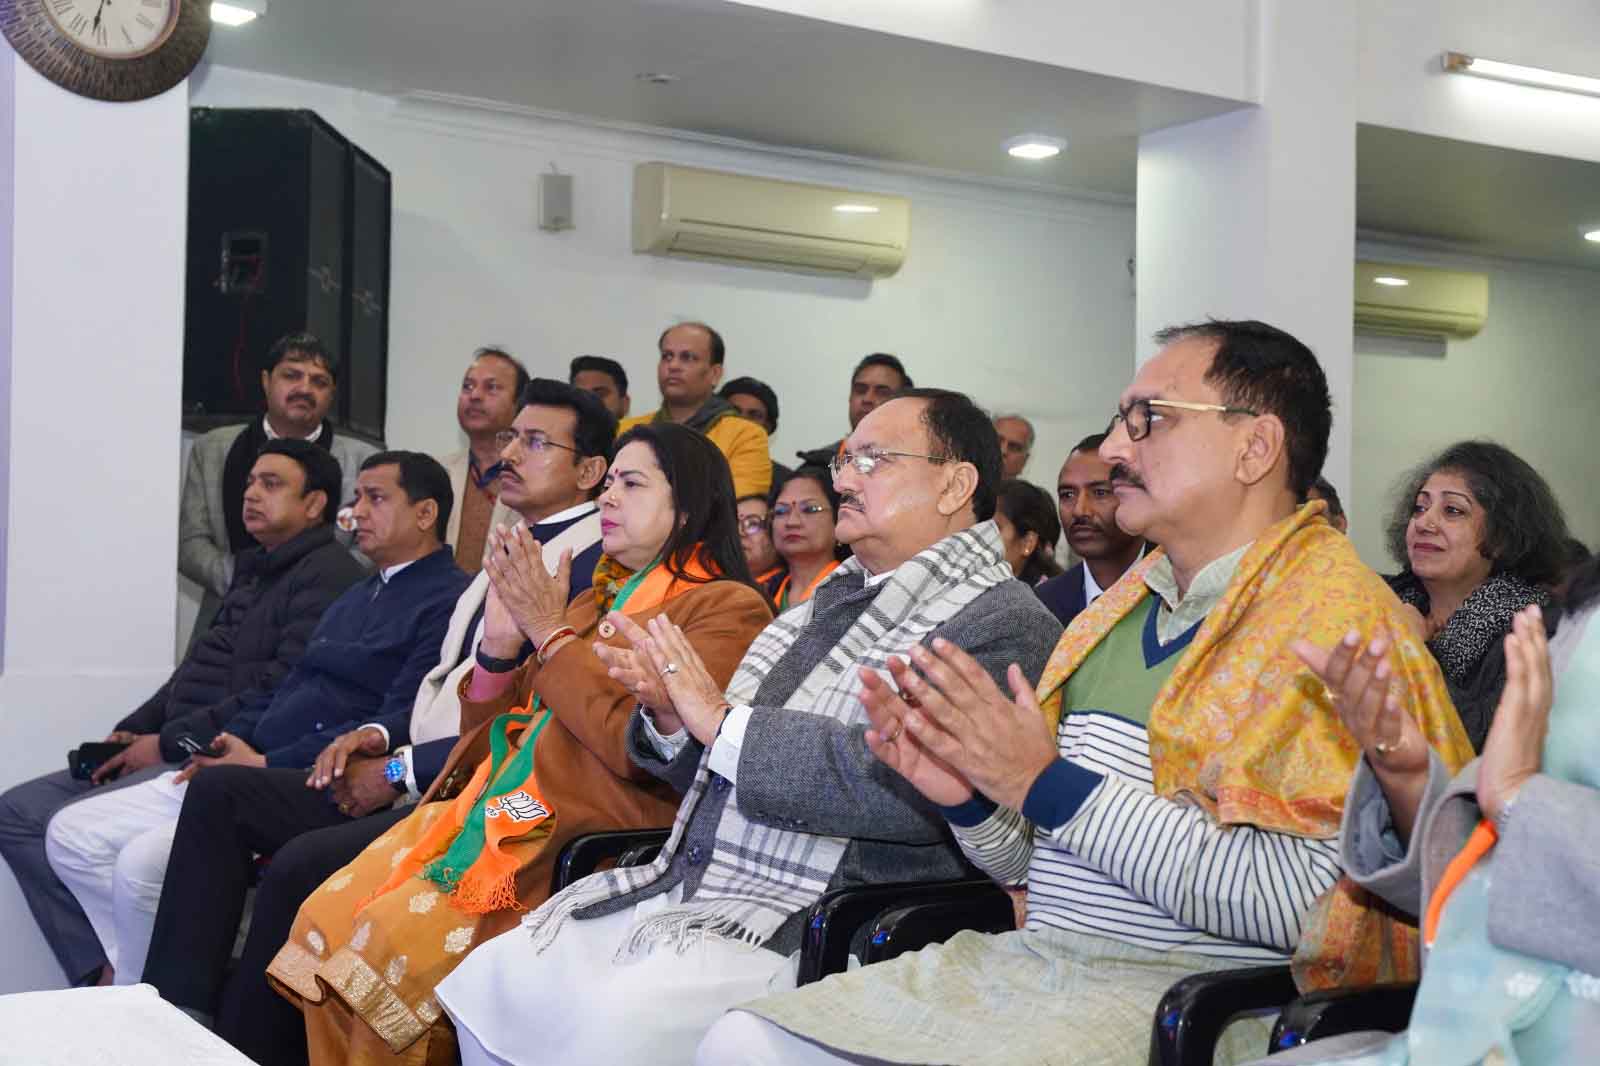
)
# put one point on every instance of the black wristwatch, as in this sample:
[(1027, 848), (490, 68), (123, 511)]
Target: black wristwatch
[(495, 666)]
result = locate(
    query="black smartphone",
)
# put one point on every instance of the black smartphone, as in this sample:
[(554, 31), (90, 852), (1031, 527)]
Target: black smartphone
[(196, 743), (85, 759)]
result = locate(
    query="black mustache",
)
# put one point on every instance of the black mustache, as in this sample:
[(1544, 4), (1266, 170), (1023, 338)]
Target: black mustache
[(850, 498), (1126, 476)]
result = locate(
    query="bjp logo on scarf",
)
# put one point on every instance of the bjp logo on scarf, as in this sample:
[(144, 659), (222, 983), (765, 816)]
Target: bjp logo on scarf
[(518, 806)]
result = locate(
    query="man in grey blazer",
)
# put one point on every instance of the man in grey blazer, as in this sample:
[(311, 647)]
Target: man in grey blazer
[(300, 378)]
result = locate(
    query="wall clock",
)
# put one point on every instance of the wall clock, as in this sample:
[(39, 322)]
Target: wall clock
[(109, 49)]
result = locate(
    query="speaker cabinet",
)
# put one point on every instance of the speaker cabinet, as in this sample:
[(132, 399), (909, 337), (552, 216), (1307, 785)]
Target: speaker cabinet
[(288, 230)]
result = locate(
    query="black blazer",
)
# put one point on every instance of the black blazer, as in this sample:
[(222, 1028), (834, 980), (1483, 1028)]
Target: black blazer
[(1064, 594)]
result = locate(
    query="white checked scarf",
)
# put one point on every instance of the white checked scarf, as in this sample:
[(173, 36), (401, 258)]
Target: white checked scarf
[(759, 875)]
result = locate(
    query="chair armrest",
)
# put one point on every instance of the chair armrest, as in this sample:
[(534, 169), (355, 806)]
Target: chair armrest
[(979, 905), (1344, 1010), (833, 921), (583, 854), (1195, 1010)]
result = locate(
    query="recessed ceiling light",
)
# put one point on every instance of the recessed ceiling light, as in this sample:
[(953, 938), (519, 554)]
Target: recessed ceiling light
[(1034, 146), (856, 209), (1390, 280), (1592, 235), (238, 12), (651, 77)]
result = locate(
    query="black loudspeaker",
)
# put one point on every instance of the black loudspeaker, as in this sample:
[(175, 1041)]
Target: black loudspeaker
[(288, 231)]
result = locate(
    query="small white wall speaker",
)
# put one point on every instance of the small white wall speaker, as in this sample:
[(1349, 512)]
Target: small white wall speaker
[(555, 201)]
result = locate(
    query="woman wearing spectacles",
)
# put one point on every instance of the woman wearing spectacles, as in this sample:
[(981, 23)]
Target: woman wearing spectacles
[(803, 513), (755, 537)]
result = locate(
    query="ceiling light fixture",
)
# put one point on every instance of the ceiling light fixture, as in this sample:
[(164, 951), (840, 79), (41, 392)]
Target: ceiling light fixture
[(1034, 146), (237, 12), (856, 209), (1592, 235), (651, 77), (1516, 73), (1390, 280)]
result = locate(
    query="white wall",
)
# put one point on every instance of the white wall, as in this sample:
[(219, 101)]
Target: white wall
[(1203, 46), (1402, 85), (1530, 381), (93, 206), (1024, 300)]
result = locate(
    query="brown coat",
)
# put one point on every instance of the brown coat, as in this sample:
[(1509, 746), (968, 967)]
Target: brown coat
[(581, 761)]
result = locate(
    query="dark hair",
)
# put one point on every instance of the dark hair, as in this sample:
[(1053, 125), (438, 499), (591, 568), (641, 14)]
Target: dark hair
[(1091, 443), (1264, 369), (1583, 585), (1524, 529), (421, 478), (1031, 510), (301, 347), (824, 479), (1330, 494), (886, 360), (718, 350), (492, 352), (321, 471), (761, 391), (597, 426), (960, 430), (702, 497), (600, 364)]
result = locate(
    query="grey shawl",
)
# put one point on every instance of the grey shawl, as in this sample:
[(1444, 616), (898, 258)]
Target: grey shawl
[(760, 874)]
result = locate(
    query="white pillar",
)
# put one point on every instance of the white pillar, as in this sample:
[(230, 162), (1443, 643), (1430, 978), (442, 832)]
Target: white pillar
[(93, 206), (1252, 214)]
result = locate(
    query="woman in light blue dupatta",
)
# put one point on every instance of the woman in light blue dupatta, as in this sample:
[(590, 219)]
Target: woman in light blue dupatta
[(1499, 864)]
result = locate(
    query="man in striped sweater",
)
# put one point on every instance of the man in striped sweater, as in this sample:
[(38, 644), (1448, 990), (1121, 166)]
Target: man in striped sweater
[(1171, 795)]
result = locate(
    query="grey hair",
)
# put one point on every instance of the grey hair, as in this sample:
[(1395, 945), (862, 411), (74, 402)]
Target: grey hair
[(1017, 418)]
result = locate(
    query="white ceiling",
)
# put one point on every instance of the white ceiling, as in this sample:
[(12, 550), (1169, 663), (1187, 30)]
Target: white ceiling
[(743, 72), (1476, 197)]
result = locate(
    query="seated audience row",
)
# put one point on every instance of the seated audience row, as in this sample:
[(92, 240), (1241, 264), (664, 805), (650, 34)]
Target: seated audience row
[(409, 752)]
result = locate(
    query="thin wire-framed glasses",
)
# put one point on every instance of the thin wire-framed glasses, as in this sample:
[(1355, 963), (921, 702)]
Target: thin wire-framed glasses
[(532, 440), (809, 508), (1136, 415), (866, 462)]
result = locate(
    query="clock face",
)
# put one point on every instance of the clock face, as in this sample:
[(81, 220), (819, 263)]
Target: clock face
[(115, 29)]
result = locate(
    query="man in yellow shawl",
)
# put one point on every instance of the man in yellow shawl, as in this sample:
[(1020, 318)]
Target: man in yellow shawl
[(1171, 795)]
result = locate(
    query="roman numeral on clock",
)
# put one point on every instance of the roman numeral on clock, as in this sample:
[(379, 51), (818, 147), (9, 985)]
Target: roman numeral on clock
[(144, 20), (62, 6)]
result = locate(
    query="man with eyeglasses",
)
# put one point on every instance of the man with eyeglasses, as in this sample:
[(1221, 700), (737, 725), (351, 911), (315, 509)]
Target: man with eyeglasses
[(1171, 791), (552, 460), (783, 799), (490, 394)]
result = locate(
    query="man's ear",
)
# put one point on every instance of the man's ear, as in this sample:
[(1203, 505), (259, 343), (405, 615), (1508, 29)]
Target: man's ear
[(427, 515), (961, 484), (627, 405), (1263, 449), (591, 471), (316, 503), (266, 378), (716, 375)]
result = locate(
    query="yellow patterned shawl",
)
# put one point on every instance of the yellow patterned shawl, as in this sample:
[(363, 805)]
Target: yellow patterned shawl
[(1244, 730)]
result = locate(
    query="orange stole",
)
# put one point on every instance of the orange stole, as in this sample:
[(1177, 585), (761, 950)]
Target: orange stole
[(1244, 730)]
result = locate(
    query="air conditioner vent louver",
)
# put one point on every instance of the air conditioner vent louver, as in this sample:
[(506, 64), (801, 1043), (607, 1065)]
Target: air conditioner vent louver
[(1432, 302)]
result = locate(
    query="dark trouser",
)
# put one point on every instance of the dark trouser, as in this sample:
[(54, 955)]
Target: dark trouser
[(25, 811), (229, 814)]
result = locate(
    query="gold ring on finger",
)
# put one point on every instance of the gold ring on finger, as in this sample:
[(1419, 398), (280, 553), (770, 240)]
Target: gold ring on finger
[(1385, 748), (899, 727)]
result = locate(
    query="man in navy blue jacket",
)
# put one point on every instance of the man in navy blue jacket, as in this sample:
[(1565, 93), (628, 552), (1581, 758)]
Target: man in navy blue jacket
[(1089, 519), (363, 664)]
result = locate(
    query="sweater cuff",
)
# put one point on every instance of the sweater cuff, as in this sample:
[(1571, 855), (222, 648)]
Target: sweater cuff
[(975, 811), (1058, 793)]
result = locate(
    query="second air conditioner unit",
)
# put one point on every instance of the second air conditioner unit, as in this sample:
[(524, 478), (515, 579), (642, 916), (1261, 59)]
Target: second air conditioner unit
[(1419, 301), (708, 214)]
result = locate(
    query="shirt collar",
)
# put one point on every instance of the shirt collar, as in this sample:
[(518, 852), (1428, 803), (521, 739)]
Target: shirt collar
[(569, 514), (388, 572), (266, 425), (1175, 615), (878, 579), (1091, 587)]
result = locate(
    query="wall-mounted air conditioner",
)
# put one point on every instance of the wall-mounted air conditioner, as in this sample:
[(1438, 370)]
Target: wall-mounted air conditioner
[(1418, 301), (706, 214)]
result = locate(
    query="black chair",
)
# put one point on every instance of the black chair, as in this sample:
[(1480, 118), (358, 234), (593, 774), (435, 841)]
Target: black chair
[(935, 913), (583, 854), (1195, 1010), (1344, 1010), (835, 920)]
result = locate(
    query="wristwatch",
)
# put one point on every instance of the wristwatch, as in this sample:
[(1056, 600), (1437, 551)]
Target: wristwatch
[(394, 772)]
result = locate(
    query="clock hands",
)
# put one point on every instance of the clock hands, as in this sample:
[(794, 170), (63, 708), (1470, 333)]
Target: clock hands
[(97, 12)]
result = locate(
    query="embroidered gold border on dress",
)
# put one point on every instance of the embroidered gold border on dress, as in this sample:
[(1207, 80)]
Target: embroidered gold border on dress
[(365, 990)]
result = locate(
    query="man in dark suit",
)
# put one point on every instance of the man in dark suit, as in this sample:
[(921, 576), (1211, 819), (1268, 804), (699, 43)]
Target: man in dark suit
[(1089, 517)]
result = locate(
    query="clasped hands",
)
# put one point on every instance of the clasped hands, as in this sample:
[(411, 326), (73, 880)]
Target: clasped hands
[(525, 599), (666, 675), (949, 729)]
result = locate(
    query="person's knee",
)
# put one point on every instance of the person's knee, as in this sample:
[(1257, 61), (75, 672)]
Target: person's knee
[(65, 843), (738, 1038), (141, 866), (25, 809)]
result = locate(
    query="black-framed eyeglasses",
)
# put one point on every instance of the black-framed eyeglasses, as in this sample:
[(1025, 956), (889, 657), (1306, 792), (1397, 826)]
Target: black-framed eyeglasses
[(532, 440), (866, 462), (750, 525), (1137, 417), (810, 507)]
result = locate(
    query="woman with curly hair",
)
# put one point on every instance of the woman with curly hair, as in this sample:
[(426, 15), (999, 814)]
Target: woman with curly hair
[(1480, 536)]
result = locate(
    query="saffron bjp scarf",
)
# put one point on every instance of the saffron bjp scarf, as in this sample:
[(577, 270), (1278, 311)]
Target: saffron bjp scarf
[(464, 852), (1245, 731)]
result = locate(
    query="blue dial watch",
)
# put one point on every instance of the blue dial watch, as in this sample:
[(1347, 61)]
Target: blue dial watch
[(394, 772)]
